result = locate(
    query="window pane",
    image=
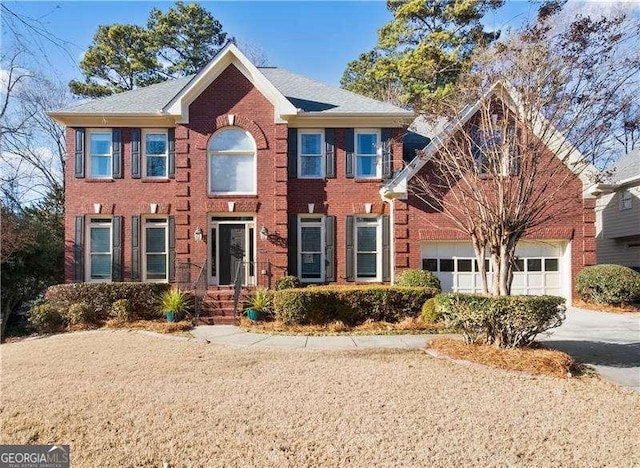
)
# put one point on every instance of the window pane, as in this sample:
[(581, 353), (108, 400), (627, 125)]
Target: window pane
[(430, 264), (366, 239), (519, 266), (156, 166), (232, 174), (156, 143), (311, 241), (232, 139), (551, 264), (311, 144), (156, 266), (100, 143), (155, 240), (100, 266), (367, 143), (464, 265), (100, 166), (311, 265), (366, 166), (534, 264), (446, 264), (311, 166), (100, 239), (367, 265)]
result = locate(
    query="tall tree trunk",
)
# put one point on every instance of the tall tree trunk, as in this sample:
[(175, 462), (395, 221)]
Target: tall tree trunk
[(480, 251)]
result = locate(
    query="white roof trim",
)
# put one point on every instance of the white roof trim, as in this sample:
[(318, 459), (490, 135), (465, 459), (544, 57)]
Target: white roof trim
[(228, 55), (587, 172)]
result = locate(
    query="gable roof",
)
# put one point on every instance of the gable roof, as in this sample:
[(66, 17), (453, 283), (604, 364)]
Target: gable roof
[(397, 186), (290, 93), (627, 169)]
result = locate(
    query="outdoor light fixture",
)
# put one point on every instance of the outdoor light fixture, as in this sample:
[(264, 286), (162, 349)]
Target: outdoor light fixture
[(264, 233), (197, 234)]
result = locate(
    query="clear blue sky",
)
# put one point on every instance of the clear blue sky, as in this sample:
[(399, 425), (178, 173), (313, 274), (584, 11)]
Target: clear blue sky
[(316, 39)]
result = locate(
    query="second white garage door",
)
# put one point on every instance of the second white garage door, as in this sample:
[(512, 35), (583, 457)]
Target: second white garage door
[(539, 267)]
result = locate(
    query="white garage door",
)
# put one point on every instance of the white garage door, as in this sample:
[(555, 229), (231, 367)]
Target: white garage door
[(539, 267)]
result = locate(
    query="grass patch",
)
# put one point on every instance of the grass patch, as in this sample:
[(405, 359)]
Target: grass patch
[(536, 361), (152, 325), (406, 326), (614, 309)]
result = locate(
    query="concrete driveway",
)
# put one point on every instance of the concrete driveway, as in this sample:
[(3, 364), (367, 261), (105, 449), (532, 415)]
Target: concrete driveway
[(608, 342)]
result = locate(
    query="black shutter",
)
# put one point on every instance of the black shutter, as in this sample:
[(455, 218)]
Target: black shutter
[(78, 163), (292, 153), (171, 136), (330, 248), (78, 250), (116, 161), (386, 248), (135, 153), (135, 248), (330, 152), (387, 154), (292, 245), (172, 248), (349, 251), (348, 147), (116, 251)]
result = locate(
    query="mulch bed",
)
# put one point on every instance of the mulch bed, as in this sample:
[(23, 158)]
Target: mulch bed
[(615, 309)]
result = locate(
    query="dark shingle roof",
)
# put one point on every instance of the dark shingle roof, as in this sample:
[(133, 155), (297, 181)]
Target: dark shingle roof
[(304, 93), (627, 167)]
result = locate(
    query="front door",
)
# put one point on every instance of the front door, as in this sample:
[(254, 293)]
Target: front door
[(232, 251)]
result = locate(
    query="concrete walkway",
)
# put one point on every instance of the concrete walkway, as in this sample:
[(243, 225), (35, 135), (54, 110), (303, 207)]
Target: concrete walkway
[(236, 336), (608, 342)]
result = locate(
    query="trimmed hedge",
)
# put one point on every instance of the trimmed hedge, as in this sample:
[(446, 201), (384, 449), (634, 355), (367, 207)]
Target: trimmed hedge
[(100, 296), (418, 279), (79, 313), (506, 321), (46, 317), (349, 304), (429, 313), (287, 282), (121, 311), (608, 284)]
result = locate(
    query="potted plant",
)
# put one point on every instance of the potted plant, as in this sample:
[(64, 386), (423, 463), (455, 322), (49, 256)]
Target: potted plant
[(174, 303), (259, 304)]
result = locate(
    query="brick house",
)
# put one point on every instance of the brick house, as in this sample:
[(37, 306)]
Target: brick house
[(260, 172)]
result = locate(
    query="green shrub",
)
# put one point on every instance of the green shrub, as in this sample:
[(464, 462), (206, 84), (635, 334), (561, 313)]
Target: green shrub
[(46, 317), (176, 301), (608, 284), (429, 313), (287, 282), (100, 296), (350, 304), (418, 279), (121, 311), (506, 321), (79, 313)]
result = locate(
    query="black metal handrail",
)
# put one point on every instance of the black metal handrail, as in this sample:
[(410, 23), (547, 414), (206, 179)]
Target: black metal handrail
[(260, 275), (198, 286)]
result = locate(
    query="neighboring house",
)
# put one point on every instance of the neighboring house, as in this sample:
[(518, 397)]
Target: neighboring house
[(262, 172), (618, 214)]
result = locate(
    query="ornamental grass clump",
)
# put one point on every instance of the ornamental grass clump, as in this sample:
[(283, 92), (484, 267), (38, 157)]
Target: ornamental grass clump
[(176, 301)]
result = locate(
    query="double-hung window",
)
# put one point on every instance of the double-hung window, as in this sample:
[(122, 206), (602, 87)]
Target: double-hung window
[(311, 248), (101, 154), (625, 200), (495, 151), (155, 249), (99, 254), (311, 154), (155, 154), (368, 243), (232, 162), (368, 154)]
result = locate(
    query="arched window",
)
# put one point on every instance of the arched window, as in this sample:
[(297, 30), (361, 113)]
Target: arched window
[(232, 162)]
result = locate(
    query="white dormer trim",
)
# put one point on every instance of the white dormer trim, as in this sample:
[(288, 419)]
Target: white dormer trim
[(397, 187), (228, 55)]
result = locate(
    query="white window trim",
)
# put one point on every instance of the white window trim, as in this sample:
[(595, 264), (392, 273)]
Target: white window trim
[(356, 155), (214, 223), (323, 169), (89, 155), (104, 222), (371, 221), (145, 132), (626, 200), (165, 225), (211, 154), (323, 247)]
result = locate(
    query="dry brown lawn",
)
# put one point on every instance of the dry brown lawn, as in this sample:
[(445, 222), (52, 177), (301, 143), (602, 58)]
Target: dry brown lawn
[(126, 398)]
